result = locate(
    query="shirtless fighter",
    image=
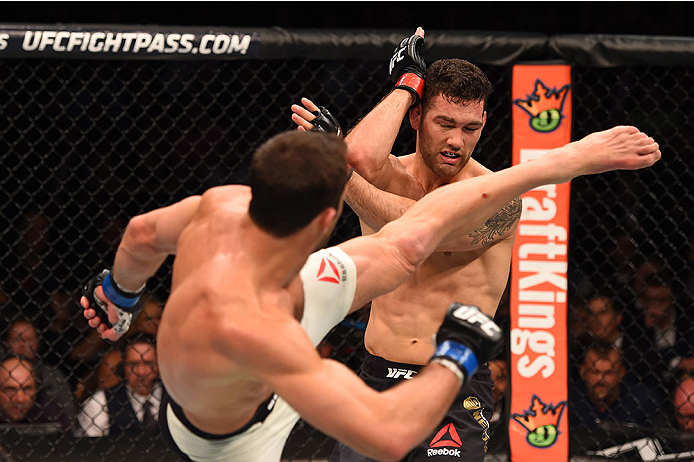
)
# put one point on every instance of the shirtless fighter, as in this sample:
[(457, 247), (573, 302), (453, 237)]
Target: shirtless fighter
[(474, 267), (237, 336)]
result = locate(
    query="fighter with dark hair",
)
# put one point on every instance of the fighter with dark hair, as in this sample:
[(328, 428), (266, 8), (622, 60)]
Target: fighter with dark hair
[(249, 302)]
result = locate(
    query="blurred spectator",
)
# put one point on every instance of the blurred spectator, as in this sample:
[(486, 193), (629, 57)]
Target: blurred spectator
[(689, 265), (108, 374), (577, 324), (684, 405), (31, 260), (500, 379), (621, 258), (660, 337), (602, 322), (605, 395), (91, 354), (22, 340), (131, 408), (147, 322), (65, 329), (647, 270), (110, 370), (17, 390), (19, 401), (498, 427)]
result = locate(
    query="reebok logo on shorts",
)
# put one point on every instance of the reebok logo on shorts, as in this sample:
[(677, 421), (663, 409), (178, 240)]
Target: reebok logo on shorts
[(445, 443), (327, 272)]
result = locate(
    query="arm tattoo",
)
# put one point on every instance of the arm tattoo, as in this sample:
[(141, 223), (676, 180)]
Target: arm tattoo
[(498, 224)]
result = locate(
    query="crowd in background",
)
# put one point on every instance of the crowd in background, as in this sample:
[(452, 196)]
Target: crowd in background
[(631, 350)]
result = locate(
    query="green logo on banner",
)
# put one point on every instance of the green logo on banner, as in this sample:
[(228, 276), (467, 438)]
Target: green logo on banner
[(544, 106), (541, 422)]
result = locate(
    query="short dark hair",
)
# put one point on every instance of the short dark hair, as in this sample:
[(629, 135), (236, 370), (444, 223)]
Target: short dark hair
[(602, 350), (457, 80), (17, 320), (28, 363), (140, 337), (294, 176), (610, 296)]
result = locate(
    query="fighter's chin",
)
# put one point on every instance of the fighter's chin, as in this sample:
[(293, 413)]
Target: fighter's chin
[(452, 165), (447, 170)]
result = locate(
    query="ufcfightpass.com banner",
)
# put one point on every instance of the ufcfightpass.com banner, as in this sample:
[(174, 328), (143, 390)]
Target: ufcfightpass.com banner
[(538, 424), (125, 42)]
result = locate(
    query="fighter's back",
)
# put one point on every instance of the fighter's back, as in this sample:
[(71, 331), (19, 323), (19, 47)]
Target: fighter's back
[(215, 299)]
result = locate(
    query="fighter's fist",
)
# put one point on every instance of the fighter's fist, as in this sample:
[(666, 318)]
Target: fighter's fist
[(126, 304), (467, 337), (310, 117), (325, 122), (407, 67)]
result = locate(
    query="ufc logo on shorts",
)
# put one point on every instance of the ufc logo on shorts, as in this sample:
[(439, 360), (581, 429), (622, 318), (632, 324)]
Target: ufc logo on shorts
[(395, 373), (473, 315)]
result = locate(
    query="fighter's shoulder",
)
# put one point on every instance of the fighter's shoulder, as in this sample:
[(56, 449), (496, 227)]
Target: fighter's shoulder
[(226, 198), (474, 169), (404, 181), (230, 192)]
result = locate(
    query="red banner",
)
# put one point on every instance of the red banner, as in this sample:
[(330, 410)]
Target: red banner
[(538, 420)]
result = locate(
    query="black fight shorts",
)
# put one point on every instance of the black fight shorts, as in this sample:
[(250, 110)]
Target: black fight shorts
[(463, 433)]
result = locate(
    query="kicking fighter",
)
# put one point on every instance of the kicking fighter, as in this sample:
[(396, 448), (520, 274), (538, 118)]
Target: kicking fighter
[(236, 340)]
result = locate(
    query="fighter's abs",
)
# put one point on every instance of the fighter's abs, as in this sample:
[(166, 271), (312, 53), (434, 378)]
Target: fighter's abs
[(402, 322)]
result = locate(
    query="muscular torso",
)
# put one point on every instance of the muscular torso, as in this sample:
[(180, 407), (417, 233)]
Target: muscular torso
[(402, 323), (216, 310)]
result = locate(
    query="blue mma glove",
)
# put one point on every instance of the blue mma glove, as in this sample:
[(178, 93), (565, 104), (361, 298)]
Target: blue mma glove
[(127, 303), (467, 338)]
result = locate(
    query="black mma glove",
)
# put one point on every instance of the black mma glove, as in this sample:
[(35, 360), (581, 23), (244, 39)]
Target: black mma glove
[(325, 122), (467, 338), (407, 67), (127, 302)]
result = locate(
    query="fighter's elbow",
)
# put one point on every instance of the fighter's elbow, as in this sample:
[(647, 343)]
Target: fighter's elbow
[(363, 161), (388, 446), (356, 154), (139, 236), (412, 245), (396, 451), (393, 442)]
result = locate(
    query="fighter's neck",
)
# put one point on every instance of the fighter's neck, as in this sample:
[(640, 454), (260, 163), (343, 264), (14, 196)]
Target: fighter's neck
[(430, 180)]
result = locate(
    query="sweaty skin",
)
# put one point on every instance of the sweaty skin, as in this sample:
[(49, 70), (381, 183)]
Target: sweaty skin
[(214, 268), (230, 336), (402, 322), (474, 268)]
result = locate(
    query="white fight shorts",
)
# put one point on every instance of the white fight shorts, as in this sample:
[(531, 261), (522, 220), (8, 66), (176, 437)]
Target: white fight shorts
[(329, 278)]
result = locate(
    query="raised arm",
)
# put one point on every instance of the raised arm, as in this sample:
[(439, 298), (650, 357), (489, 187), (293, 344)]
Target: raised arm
[(386, 258), (370, 142), (147, 241)]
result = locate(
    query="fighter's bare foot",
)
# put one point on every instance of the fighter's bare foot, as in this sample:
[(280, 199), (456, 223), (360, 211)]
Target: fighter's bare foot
[(619, 148)]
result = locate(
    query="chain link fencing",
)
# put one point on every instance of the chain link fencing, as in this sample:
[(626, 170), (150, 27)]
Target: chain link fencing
[(87, 144)]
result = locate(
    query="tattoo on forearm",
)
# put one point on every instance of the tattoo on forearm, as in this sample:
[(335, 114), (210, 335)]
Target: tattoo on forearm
[(498, 224)]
